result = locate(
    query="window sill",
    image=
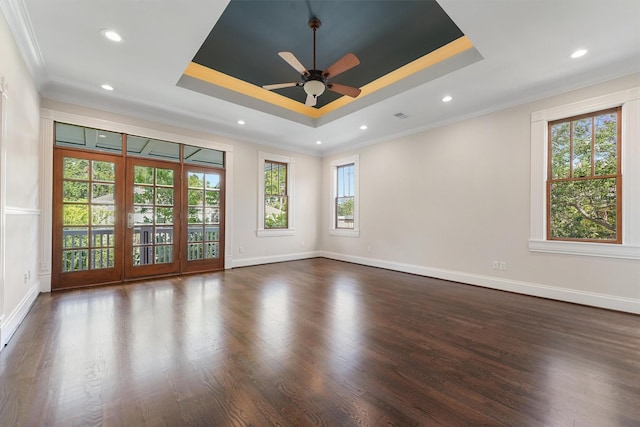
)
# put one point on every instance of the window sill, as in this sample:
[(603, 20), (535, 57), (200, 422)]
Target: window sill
[(605, 250), (276, 232), (347, 233)]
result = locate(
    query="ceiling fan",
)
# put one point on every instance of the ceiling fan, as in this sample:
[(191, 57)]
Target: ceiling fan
[(315, 81)]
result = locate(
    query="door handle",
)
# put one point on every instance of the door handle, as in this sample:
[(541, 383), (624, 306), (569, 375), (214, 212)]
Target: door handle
[(130, 220)]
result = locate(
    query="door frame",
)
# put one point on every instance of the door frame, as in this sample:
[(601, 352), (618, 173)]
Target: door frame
[(127, 125)]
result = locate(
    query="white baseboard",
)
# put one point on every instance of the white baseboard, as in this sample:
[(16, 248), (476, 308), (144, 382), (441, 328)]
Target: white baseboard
[(9, 326), (246, 262), (45, 282), (610, 302)]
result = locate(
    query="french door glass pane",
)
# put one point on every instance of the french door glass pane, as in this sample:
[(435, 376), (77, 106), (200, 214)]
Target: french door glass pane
[(196, 180), (203, 215), (88, 214), (76, 168), (103, 171), (153, 214), (75, 191), (194, 251)]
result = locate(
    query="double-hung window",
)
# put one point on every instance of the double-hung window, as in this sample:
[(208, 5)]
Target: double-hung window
[(585, 177), (275, 195), (344, 197), (584, 180), (276, 201)]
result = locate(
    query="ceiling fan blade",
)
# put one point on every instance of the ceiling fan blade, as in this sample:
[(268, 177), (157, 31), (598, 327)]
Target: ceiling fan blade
[(311, 101), (344, 90), (279, 85), (343, 64), (293, 61)]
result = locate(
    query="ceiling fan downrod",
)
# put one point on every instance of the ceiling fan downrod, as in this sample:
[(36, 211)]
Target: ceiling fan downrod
[(314, 24)]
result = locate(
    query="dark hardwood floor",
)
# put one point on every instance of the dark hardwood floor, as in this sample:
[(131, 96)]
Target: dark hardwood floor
[(317, 342)]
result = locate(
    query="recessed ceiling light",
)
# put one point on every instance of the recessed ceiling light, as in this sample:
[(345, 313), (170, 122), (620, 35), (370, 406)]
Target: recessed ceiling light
[(107, 87), (318, 142), (447, 98), (578, 53), (241, 122), (111, 35), (363, 127)]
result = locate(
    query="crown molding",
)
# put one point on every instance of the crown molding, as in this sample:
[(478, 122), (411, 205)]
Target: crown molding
[(17, 17)]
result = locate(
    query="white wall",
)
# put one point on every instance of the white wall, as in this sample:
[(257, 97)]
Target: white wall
[(259, 250), (448, 201), (19, 178)]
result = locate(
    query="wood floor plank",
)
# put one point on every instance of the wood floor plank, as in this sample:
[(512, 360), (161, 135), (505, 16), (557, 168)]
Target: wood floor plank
[(317, 342)]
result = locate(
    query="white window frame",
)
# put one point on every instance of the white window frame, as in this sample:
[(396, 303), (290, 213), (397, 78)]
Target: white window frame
[(290, 162), (630, 247), (355, 231)]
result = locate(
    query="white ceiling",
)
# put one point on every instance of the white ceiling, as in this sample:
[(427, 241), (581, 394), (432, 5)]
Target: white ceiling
[(525, 45)]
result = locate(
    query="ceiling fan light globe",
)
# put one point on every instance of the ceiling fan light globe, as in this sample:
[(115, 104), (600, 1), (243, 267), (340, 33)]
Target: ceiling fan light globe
[(314, 88)]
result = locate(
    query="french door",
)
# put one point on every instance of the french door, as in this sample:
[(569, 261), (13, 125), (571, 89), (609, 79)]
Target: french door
[(204, 189), (87, 226), (118, 219), (152, 234)]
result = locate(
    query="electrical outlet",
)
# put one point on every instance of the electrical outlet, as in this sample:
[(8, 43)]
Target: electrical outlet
[(241, 249), (495, 264), (503, 265)]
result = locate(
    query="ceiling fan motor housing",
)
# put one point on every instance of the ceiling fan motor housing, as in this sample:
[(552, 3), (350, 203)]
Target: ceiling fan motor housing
[(315, 83)]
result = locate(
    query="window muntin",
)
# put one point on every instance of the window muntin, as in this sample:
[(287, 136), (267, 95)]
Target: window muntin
[(584, 180), (276, 200), (345, 197)]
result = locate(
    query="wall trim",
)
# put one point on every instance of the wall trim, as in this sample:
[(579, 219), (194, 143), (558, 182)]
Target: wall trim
[(585, 248), (13, 210), (629, 305), (9, 326), (247, 262)]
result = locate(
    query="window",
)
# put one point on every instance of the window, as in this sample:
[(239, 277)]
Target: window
[(344, 196), (584, 180), (585, 177), (276, 212), (344, 206), (275, 194)]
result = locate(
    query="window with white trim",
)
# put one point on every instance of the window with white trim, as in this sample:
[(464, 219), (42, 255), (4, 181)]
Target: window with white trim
[(344, 197), (573, 148), (584, 181), (275, 195)]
